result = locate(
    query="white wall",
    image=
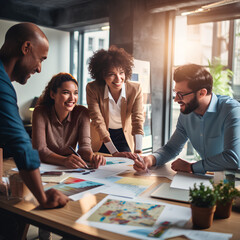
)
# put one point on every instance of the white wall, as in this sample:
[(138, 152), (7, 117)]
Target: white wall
[(57, 61)]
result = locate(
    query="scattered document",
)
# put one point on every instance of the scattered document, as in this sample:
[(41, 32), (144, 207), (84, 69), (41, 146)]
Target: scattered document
[(196, 235), (75, 189), (118, 160), (126, 186), (54, 179), (117, 164), (164, 171), (45, 167), (187, 180), (134, 218)]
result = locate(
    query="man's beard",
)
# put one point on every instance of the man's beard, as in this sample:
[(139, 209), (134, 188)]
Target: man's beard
[(191, 106)]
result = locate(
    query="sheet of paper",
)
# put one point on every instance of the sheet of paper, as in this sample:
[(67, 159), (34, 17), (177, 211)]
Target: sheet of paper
[(44, 167), (135, 181), (75, 189), (114, 165), (118, 160), (196, 235), (102, 172), (97, 174), (164, 171), (187, 180), (125, 186), (128, 191), (54, 179), (118, 164), (134, 218), (121, 186)]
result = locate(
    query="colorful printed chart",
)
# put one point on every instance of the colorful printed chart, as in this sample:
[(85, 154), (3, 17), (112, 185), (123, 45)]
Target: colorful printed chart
[(127, 213), (79, 185), (135, 218)]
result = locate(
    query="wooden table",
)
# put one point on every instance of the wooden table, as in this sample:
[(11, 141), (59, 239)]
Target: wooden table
[(63, 220)]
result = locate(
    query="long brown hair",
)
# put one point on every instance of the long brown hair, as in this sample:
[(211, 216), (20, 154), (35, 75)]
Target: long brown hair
[(53, 85)]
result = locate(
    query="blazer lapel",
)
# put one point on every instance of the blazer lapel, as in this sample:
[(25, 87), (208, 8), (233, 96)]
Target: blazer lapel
[(123, 111), (106, 111)]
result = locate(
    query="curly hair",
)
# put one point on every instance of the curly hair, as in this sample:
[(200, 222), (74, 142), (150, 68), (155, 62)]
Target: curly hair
[(55, 83), (196, 75), (103, 61)]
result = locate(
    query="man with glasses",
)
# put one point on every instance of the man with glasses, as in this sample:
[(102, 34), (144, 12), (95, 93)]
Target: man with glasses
[(211, 122)]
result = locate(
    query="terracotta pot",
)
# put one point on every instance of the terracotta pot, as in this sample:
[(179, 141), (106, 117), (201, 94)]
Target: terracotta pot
[(202, 217), (223, 211)]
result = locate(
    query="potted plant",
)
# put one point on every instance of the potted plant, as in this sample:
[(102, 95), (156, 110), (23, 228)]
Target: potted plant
[(225, 193), (221, 77), (203, 200)]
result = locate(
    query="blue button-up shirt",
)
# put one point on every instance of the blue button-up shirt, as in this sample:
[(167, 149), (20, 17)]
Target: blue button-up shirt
[(13, 137), (215, 136)]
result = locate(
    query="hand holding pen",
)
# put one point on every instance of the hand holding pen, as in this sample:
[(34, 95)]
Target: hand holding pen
[(140, 159), (75, 160)]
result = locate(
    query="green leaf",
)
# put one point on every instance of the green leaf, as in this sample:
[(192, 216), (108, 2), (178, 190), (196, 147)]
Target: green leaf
[(222, 77)]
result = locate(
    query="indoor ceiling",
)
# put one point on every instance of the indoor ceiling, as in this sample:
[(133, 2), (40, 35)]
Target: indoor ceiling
[(78, 14), (49, 4), (60, 14)]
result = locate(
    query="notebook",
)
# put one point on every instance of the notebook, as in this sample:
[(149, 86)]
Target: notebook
[(54, 179), (164, 191)]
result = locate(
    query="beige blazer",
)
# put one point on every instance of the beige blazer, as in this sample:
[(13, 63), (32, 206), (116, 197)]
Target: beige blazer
[(131, 113)]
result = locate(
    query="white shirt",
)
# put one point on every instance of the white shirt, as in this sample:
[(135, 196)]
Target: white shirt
[(115, 121)]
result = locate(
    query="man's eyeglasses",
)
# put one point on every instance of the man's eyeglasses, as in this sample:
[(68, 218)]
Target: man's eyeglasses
[(181, 95)]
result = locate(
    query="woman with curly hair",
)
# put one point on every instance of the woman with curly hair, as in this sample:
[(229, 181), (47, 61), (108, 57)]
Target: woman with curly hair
[(115, 104), (58, 124)]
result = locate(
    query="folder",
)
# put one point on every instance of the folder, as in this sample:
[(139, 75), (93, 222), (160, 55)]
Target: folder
[(164, 191)]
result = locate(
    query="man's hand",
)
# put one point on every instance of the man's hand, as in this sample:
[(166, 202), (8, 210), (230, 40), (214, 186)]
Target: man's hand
[(148, 161), (73, 161), (54, 199), (125, 154), (98, 160), (181, 166)]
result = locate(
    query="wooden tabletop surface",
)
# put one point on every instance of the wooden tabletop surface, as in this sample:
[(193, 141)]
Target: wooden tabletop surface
[(63, 220)]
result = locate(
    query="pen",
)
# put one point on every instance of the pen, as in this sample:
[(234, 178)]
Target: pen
[(86, 166), (141, 160)]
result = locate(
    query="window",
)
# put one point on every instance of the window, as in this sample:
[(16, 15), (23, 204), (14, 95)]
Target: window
[(203, 43), (236, 60), (101, 43), (84, 44), (90, 44)]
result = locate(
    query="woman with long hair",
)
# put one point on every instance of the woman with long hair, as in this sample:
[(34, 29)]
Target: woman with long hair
[(59, 124)]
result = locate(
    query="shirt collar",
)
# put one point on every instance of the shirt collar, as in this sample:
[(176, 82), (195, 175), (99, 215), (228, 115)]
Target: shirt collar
[(2, 68), (107, 93), (213, 104), (55, 118)]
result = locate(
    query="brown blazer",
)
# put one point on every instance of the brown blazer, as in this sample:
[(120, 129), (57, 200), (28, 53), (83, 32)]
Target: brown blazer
[(131, 113)]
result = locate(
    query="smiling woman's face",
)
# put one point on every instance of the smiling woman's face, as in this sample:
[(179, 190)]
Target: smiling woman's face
[(115, 78), (66, 97)]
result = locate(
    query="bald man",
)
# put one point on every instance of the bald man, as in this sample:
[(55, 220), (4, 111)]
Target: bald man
[(22, 54)]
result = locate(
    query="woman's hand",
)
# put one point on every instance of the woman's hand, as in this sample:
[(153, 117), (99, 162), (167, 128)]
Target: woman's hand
[(130, 155), (98, 160), (73, 161)]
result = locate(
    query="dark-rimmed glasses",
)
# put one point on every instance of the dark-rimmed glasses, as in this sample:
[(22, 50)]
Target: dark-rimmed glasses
[(181, 95)]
